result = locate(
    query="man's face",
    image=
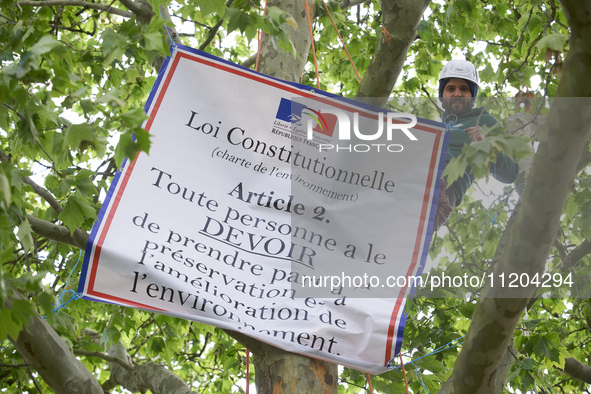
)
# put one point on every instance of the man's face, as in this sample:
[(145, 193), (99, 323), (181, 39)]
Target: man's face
[(457, 98)]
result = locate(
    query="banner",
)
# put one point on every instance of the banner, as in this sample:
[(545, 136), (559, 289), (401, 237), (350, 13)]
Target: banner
[(291, 215)]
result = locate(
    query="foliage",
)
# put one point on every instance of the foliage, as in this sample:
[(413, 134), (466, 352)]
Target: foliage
[(73, 81)]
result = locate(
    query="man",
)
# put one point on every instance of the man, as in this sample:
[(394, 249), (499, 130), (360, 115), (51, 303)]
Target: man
[(458, 88)]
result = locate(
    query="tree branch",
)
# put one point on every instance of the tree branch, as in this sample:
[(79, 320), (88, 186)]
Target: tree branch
[(349, 3), (58, 233), (132, 6), (577, 370), (579, 252), (77, 3), (143, 377), (141, 9), (106, 357), (248, 63), (214, 30), (44, 193), (50, 356), (275, 61)]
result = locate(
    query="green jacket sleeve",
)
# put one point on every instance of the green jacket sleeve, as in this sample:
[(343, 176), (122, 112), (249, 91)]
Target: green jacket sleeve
[(504, 170)]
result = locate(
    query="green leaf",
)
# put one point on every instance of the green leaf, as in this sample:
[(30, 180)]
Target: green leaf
[(21, 311), (44, 45), (46, 302), (76, 211), (154, 41), (156, 345), (585, 223), (134, 117), (527, 364), (131, 144), (155, 38), (76, 134), (237, 20), (212, 7), (553, 42), (25, 235), (111, 96), (5, 193), (455, 169), (432, 364), (111, 335), (8, 326), (80, 136)]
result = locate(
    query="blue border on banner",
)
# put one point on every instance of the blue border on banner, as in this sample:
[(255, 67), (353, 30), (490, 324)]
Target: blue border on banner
[(433, 213), (429, 237), (95, 228), (156, 86)]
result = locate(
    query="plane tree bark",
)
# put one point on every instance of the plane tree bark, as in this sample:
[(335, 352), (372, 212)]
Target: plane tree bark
[(563, 140), (400, 21)]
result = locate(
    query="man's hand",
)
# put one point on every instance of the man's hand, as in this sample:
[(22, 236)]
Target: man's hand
[(474, 133)]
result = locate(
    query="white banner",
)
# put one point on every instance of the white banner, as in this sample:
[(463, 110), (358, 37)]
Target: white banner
[(238, 219)]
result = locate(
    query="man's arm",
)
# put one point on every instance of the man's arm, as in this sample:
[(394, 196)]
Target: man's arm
[(504, 170)]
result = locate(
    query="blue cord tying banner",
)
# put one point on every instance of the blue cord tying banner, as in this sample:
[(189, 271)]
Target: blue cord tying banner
[(440, 349), (60, 304), (74, 295), (172, 43), (449, 126)]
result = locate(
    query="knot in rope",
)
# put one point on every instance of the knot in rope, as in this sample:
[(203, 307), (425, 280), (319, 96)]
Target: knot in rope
[(450, 122)]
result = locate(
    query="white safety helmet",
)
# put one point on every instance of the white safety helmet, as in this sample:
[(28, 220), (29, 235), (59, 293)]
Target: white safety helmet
[(458, 68)]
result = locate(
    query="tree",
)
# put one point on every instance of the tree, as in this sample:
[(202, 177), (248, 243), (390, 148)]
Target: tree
[(74, 77)]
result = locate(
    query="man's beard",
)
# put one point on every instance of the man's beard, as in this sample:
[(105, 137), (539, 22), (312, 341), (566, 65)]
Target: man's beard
[(457, 105)]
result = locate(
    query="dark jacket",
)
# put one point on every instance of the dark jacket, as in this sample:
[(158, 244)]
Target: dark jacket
[(504, 170)]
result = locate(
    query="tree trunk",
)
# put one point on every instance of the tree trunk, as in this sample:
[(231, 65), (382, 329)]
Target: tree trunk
[(281, 372), (401, 19), (278, 63), (563, 140), (277, 371), (44, 350)]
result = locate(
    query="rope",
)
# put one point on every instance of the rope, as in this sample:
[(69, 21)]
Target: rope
[(403, 372), (419, 376), (256, 67), (369, 382), (312, 41), (4, 344), (75, 295), (172, 43), (440, 349), (342, 41)]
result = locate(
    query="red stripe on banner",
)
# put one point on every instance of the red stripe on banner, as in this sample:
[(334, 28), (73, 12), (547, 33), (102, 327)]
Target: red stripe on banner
[(125, 301), (415, 256), (117, 198), (288, 88)]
